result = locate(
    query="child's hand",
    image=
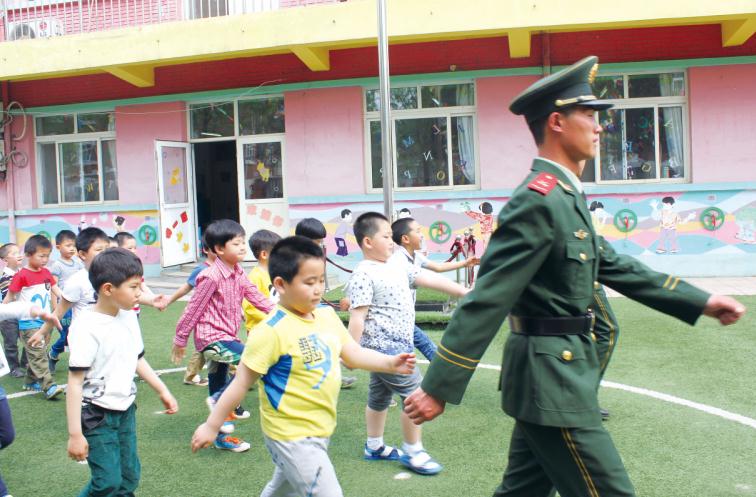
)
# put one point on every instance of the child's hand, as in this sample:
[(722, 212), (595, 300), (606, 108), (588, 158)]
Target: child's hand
[(78, 447), (203, 437), (169, 401), (160, 302), (403, 363), (177, 354), (344, 304), (472, 261), (38, 339), (52, 319)]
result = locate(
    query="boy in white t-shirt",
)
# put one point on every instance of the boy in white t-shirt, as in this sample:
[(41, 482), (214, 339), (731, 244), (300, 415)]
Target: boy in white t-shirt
[(106, 351)]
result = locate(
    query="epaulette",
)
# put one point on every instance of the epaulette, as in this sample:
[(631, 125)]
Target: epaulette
[(543, 183)]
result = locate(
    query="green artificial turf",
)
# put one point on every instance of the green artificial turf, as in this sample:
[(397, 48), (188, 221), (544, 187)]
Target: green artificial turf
[(669, 450)]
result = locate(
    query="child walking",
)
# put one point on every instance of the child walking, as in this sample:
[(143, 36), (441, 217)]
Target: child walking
[(260, 243), (13, 312), (294, 352), (382, 318), (214, 313), (197, 360), (408, 237), (79, 294), (11, 256), (106, 352), (66, 266), (35, 285)]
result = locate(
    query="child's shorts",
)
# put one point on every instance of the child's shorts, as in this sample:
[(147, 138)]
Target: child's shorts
[(384, 385), (302, 468), (226, 352)]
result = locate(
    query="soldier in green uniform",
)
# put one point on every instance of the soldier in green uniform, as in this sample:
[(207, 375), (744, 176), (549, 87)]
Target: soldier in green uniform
[(541, 268)]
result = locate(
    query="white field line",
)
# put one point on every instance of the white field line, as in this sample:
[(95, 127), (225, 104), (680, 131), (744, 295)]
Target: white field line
[(714, 411)]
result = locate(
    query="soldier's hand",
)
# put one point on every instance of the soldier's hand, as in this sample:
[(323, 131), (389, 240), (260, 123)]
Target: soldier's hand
[(726, 309), (421, 407)]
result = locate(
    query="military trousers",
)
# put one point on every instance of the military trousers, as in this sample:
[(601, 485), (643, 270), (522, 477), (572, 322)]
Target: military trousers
[(606, 329), (576, 462)]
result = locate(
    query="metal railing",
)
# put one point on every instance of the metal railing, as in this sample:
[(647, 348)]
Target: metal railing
[(23, 19)]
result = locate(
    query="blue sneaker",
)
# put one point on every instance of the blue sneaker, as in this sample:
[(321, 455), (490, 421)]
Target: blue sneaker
[(384, 453), (421, 463), (53, 391), (33, 387), (52, 360), (224, 442)]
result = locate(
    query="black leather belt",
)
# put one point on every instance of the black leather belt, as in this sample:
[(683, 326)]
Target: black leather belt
[(573, 325)]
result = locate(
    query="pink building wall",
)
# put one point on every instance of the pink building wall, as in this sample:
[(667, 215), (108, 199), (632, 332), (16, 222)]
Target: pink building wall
[(24, 178), (137, 128), (723, 117), (505, 145), (324, 142)]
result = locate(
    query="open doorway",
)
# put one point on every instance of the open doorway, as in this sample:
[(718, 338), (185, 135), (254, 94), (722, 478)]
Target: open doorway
[(217, 183)]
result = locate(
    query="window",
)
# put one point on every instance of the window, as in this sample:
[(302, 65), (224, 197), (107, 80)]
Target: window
[(645, 136), (214, 120), (76, 157), (434, 136)]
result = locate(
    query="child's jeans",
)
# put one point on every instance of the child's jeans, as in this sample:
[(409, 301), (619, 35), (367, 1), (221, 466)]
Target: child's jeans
[(7, 433), (424, 344), (113, 459), (218, 356), (60, 345)]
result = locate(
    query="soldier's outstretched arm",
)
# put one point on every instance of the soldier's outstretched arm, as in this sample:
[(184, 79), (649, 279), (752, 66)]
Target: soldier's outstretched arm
[(516, 251), (663, 292)]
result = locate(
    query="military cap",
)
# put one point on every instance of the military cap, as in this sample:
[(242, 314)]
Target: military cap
[(559, 91)]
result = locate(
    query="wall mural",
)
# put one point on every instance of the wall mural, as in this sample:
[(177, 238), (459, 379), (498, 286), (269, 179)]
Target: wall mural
[(659, 225), (142, 224)]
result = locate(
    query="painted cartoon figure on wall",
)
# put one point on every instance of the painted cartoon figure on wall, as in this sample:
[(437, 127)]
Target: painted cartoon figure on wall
[(746, 222), (119, 223), (486, 220), (669, 219), (598, 216), (344, 229)]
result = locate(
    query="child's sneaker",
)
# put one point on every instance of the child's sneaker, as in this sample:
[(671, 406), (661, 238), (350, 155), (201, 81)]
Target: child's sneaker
[(421, 463), (53, 391), (228, 425), (196, 381), (240, 413), (224, 442), (384, 453), (33, 387), (348, 382)]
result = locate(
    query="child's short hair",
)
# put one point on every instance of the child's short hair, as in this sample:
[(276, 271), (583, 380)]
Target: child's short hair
[(114, 266), (262, 240), (88, 236), (122, 237), (64, 235), (345, 213), (399, 228), (486, 208), (287, 255), (219, 232), (310, 228), (5, 249), (35, 243), (668, 200), (367, 225)]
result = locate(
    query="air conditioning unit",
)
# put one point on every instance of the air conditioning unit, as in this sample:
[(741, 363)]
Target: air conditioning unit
[(35, 28)]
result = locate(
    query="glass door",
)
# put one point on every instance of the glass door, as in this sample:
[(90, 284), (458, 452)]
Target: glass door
[(178, 222)]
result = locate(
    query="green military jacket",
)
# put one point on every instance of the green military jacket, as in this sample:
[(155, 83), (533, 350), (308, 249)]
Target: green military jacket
[(543, 260)]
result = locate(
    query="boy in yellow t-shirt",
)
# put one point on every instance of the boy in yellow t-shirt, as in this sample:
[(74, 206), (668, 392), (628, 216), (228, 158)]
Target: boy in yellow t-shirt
[(295, 352), (260, 243)]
